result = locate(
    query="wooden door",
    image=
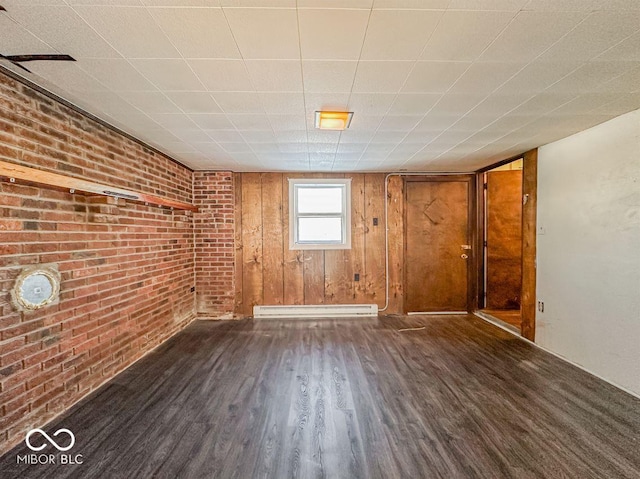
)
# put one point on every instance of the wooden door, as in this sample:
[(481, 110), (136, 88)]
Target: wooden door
[(436, 237), (504, 239)]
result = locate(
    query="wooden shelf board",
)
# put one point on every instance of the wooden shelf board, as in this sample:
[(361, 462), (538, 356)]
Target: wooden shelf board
[(77, 185)]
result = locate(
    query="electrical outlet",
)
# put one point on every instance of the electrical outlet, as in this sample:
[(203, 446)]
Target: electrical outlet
[(375, 221), (541, 306), (542, 230), (356, 277), (193, 288)]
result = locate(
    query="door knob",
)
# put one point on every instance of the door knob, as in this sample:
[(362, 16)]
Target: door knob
[(464, 256)]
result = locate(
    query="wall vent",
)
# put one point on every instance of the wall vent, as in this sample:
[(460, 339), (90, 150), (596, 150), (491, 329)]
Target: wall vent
[(315, 311)]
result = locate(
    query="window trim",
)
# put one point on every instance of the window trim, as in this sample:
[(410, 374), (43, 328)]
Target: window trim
[(345, 216)]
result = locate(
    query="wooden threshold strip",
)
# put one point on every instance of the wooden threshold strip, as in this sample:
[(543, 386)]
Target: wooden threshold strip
[(77, 185)]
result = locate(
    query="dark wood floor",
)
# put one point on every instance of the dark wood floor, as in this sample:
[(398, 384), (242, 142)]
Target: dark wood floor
[(459, 398)]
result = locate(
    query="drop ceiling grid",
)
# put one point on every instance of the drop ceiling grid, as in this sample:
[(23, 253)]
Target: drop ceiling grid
[(248, 99)]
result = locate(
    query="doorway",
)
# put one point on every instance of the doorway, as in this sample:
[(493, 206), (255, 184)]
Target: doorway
[(438, 249), (503, 243)]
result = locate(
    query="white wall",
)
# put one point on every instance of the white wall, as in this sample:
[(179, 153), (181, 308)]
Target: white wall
[(589, 249)]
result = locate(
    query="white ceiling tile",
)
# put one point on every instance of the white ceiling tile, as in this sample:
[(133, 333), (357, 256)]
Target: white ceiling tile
[(259, 3), (347, 29), (594, 35), (259, 136), (456, 104), (580, 5), (434, 77), (488, 5), (412, 4), (118, 3), (628, 82), (499, 104), (236, 147), (173, 121), (116, 74), (389, 136), (265, 147), (68, 74), (316, 135), (399, 123), (250, 122), (211, 121), (238, 102), (225, 136), (275, 75), (150, 101), (265, 33), (282, 103), (413, 103), (381, 76), (463, 35), (370, 103), (538, 76), (585, 104), (287, 122), (16, 40), (191, 135), (52, 24), (360, 136), (398, 34), (169, 74), (335, 4), (131, 31), (364, 122), (321, 101), (485, 77), (355, 149), (543, 103), (436, 122), (194, 101), (328, 76), (529, 35), (286, 136), (184, 3), (222, 75), (197, 32), (591, 75), (627, 50)]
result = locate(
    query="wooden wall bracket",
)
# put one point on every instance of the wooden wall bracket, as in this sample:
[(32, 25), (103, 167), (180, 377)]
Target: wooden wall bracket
[(15, 172)]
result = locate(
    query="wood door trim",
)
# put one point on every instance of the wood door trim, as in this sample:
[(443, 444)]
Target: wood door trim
[(470, 180), (529, 228)]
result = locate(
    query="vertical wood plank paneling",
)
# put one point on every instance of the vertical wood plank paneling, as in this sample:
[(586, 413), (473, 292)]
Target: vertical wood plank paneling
[(374, 277), (395, 198), (530, 188), (358, 227), (338, 271), (239, 263), (293, 260), (272, 238), (252, 242), (268, 272), (314, 277)]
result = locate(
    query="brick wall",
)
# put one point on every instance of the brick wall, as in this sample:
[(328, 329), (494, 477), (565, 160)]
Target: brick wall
[(127, 269), (213, 193)]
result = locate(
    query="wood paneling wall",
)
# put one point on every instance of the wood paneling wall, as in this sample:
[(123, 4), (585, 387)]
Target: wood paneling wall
[(268, 273)]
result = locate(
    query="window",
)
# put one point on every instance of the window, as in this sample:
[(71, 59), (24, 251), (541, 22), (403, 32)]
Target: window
[(319, 214)]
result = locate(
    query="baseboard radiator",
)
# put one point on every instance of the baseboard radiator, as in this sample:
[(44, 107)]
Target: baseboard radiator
[(315, 311)]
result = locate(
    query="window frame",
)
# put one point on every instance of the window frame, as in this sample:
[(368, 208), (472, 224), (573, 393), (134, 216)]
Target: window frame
[(345, 184)]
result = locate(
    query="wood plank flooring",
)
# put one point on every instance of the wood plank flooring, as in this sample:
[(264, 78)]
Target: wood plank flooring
[(356, 398)]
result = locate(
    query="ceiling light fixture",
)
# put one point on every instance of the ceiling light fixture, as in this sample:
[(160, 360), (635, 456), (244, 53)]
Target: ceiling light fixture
[(333, 120)]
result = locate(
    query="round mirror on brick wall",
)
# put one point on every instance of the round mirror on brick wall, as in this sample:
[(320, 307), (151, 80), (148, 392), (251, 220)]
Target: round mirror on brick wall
[(36, 287)]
